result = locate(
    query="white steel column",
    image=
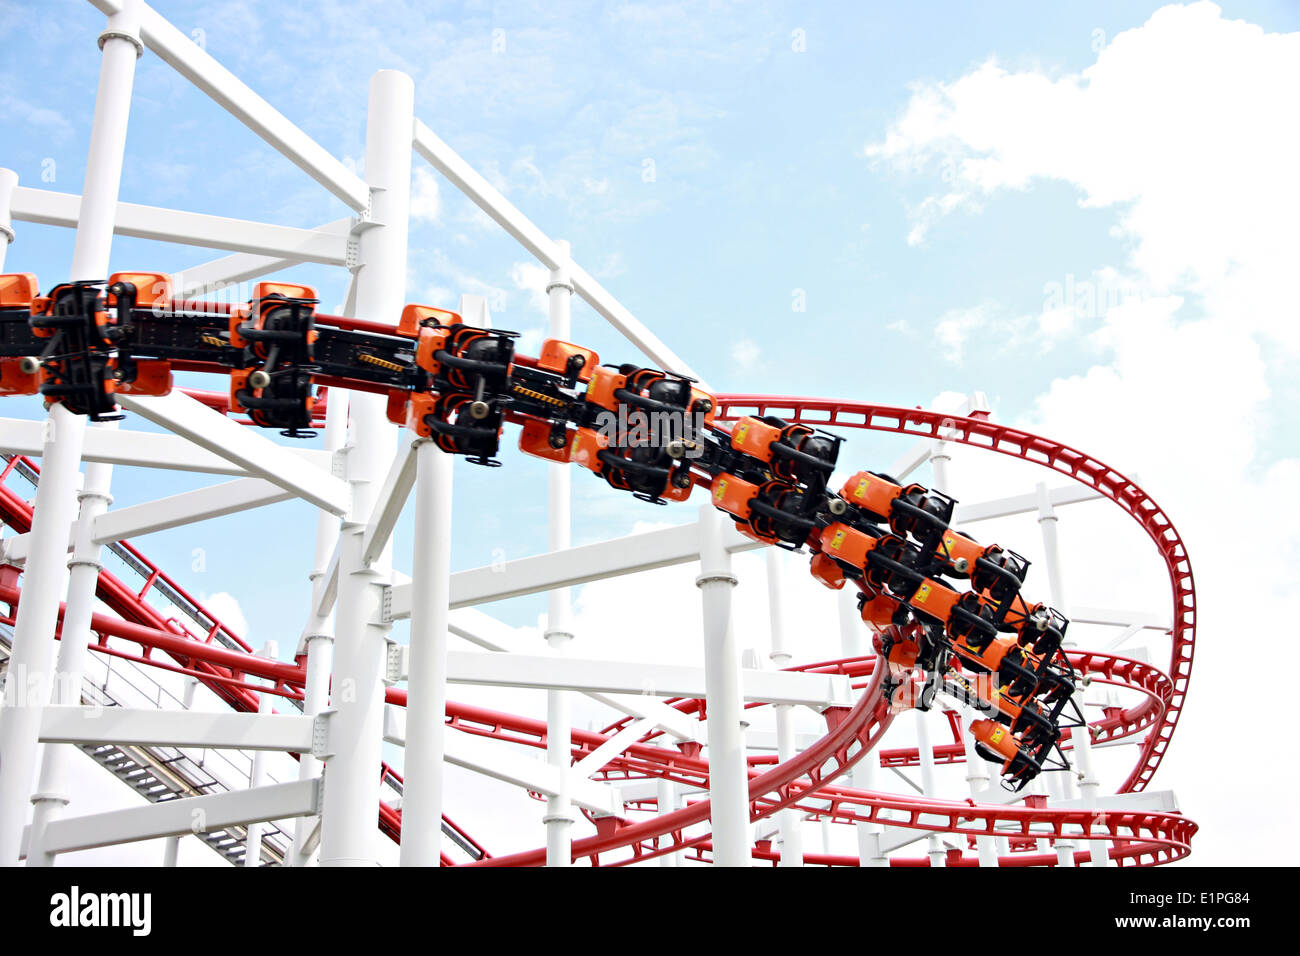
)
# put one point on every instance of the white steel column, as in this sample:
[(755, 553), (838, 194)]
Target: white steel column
[(977, 779), (258, 777), (1058, 791), (27, 687), (853, 643), (426, 700), (1089, 785), (665, 803), (172, 844), (1051, 554), (940, 458), (935, 850), (352, 784), (318, 636), (559, 817), (51, 796), (789, 820), (728, 772), (8, 183)]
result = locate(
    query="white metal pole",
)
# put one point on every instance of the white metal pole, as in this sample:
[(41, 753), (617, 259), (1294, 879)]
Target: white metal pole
[(1047, 523), (789, 820), (426, 702), (318, 636), (666, 802), (51, 797), (1057, 792), (977, 779), (853, 643), (27, 687), (315, 698), (258, 777), (8, 183), (1089, 785), (172, 845), (559, 816), (352, 784), (728, 772), (935, 851)]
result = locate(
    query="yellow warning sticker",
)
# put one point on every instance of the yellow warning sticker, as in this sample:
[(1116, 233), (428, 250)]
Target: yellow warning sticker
[(922, 593), (741, 432), (838, 540), (996, 736), (861, 490), (719, 491)]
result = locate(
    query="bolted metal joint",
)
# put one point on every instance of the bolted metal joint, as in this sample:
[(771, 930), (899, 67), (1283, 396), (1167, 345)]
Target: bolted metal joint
[(714, 577), (120, 35)]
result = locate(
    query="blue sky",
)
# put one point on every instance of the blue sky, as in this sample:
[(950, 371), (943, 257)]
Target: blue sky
[(923, 179)]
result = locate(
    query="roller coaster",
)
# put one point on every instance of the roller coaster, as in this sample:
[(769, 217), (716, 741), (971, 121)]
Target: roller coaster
[(951, 625), (652, 433)]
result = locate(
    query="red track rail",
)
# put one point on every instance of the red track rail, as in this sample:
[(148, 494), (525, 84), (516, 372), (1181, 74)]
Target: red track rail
[(1135, 836)]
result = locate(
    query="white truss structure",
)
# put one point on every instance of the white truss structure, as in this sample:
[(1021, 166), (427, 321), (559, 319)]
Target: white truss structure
[(360, 481)]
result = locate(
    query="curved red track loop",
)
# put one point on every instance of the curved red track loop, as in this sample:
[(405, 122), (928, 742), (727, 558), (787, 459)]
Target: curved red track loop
[(1016, 443), (829, 758), (1103, 667), (1135, 836)]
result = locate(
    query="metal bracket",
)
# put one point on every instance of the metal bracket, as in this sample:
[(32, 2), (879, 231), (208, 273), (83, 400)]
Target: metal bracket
[(339, 462), (120, 35), (320, 735), (713, 577), (360, 223), (396, 664), (386, 605)]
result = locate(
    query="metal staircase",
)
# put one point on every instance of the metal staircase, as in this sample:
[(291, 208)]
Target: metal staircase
[(169, 773)]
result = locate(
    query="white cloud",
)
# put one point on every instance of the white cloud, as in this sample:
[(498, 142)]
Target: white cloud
[(1175, 128), (956, 326), (747, 354), (532, 278), (425, 200), (225, 606)]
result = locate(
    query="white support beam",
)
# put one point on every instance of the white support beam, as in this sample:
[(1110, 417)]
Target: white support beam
[(328, 245), (254, 453), (176, 728), (611, 748), (177, 817), (140, 449), (389, 503), (1119, 617), (659, 680), (605, 559), (1023, 504), (229, 497), (239, 267), (1149, 801), (326, 589), (632, 791), (191, 62), (489, 633), (463, 176), (493, 759)]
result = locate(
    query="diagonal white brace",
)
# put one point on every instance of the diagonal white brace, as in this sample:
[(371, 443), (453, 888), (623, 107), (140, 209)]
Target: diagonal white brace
[(254, 453), (611, 748), (389, 503), (176, 728), (197, 66), (181, 817), (229, 497), (496, 760)]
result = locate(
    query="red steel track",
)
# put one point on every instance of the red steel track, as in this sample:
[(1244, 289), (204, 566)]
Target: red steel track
[(807, 782)]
